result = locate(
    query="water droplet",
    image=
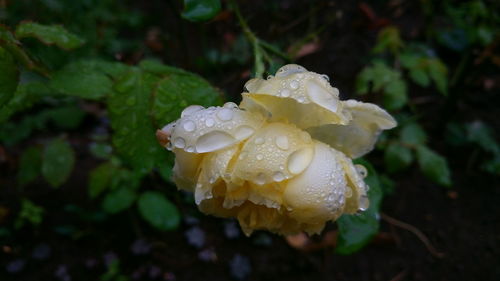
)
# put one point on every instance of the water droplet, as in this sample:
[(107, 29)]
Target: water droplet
[(259, 140), (191, 109), (210, 122), (285, 93), (269, 77), (301, 99), (190, 149), (282, 167), (300, 160), (364, 203), (260, 157), (282, 142), (278, 176), (189, 126), (179, 142), (348, 192), (243, 132), (225, 114), (289, 69), (169, 128), (324, 76), (294, 84), (230, 105), (361, 170), (260, 179), (211, 180), (305, 137), (243, 155), (213, 141)]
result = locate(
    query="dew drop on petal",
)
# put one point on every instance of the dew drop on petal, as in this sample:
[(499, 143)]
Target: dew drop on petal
[(243, 132), (190, 149), (243, 155), (289, 69), (361, 170), (348, 192), (259, 140), (191, 109), (210, 122), (364, 203), (300, 160), (325, 77), (179, 142), (278, 176), (282, 142), (259, 157), (294, 84), (225, 114), (230, 105), (285, 93), (189, 126), (260, 179), (213, 141)]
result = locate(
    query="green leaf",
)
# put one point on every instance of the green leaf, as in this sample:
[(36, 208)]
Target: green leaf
[(158, 210), (439, 74), (363, 81), (395, 96), (433, 165), (67, 117), (87, 79), (100, 179), (29, 165), (413, 134), (58, 161), (9, 76), (26, 96), (49, 34), (129, 110), (420, 77), (479, 133), (397, 157), (389, 38), (176, 91), (118, 200), (355, 231), (200, 10)]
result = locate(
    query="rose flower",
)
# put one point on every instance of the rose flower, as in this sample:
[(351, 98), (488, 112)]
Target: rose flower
[(281, 160)]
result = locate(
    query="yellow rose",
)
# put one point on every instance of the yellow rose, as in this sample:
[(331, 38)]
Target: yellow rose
[(281, 160)]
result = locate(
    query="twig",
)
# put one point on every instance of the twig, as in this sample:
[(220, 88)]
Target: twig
[(415, 231)]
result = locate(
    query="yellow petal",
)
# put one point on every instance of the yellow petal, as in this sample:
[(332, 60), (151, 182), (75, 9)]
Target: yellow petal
[(318, 194), (304, 98), (359, 136), (357, 188), (276, 152), (205, 130), (186, 169)]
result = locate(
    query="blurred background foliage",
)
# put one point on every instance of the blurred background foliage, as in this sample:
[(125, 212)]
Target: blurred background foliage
[(84, 85)]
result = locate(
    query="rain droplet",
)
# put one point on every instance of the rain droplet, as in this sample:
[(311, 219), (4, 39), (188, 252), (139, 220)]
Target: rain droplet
[(259, 140), (210, 122), (282, 142), (361, 170), (225, 114), (285, 93), (243, 132), (301, 99), (191, 109), (348, 192), (179, 142), (260, 179), (300, 160), (230, 105), (189, 126), (278, 176), (269, 77), (324, 76), (364, 203), (213, 141), (305, 137), (243, 155), (289, 69), (259, 157), (294, 84), (190, 149)]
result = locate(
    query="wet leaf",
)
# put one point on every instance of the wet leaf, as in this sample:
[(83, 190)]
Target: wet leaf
[(100, 179), (9, 76), (355, 231), (413, 134), (397, 157), (433, 165), (58, 161), (156, 209), (29, 165), (200, 10), (49, 34), (118, 200)]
